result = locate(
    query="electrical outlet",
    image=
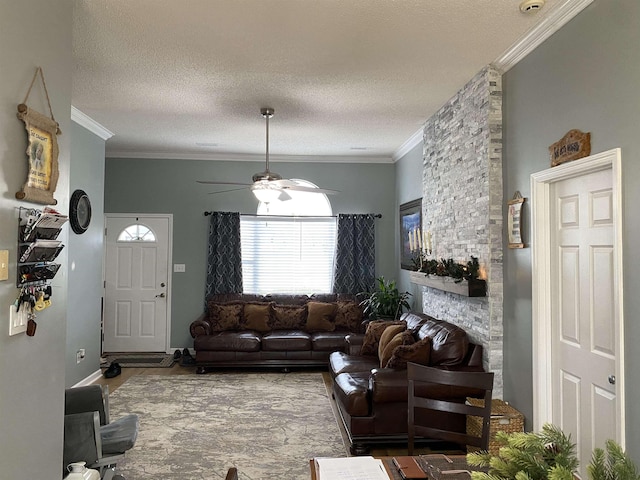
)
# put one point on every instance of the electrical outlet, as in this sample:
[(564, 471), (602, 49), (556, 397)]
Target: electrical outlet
[(4, 264), (80, 355), (179, 267)]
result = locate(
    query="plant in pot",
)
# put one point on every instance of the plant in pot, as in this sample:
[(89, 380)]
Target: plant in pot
[(387, 302)]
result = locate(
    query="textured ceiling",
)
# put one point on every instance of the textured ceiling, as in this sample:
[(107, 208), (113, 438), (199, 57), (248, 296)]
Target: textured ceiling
[(345, 77)]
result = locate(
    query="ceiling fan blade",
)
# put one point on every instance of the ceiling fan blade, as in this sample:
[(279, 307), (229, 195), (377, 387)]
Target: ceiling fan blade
[(209, 182), (299, 188), (225, 191)]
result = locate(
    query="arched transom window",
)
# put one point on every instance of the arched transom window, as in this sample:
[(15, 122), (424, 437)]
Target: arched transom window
[(137, 233)]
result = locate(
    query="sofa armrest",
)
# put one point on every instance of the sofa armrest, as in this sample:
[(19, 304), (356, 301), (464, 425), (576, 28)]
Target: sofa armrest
[(200, 326), (354, 343)]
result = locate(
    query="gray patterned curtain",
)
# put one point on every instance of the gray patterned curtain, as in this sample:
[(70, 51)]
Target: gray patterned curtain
[(224, 261), (355, 254)]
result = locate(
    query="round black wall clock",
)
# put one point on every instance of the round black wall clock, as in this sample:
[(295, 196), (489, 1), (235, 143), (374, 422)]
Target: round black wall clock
[(79, 211)]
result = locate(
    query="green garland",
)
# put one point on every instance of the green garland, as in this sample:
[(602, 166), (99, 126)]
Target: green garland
[(448, 268)]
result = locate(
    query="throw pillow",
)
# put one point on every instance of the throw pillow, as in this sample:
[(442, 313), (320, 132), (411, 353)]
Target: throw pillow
[(390, 332), (320, 317), (257, 316), (348, 316), (288, 317), (225, 316), (372, 336), (418, 352), (390, 339)]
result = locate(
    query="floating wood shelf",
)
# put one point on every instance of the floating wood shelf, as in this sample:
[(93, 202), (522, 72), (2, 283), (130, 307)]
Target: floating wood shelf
[(467, 288)]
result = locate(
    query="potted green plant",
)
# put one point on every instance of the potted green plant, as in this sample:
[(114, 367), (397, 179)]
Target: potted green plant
[(386, 302), (611, 463)]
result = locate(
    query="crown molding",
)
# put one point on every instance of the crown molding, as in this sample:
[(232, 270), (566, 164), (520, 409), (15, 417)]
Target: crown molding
[(90, 124), (559, 17), (242, 157), (413, 141)]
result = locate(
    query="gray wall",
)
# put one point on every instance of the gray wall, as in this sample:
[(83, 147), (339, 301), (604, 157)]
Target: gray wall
[(32, 369), (85, 253), (586, 76), (408, 188), (169, 186)]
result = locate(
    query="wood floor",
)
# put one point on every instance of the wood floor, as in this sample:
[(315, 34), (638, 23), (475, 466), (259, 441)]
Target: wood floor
[(176, 369)]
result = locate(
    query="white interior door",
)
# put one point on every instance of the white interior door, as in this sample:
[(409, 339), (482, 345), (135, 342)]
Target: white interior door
[(577, 268), (136, 311)]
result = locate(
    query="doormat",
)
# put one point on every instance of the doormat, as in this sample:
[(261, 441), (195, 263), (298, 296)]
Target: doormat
[(141, 360)]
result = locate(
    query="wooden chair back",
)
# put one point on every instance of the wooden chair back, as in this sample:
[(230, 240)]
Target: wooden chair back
[(420, 377)]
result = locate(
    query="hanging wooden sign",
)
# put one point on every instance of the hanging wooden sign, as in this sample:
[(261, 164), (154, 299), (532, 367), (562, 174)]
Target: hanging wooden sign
[(42, 152), (574, 145)]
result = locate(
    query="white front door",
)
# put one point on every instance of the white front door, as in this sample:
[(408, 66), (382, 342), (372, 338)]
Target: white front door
[(136, 283), (583, 317)]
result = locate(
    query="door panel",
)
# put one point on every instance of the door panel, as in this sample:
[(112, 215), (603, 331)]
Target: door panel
[(584, 349), (136, 313)]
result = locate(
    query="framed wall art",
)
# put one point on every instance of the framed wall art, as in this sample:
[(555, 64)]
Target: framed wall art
[(514, 221), (410, 232)]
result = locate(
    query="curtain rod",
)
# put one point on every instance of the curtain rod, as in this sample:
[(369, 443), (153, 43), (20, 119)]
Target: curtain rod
[(374, 215)]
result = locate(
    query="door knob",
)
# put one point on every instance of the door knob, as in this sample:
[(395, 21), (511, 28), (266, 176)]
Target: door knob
[(160, 295), (612, 379), (162, 284)]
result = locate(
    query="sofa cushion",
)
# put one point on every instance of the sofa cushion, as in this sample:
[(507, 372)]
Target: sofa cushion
[(257, 316), (246, 341), (373, 334), (340, 362), (418, 352), (288, 317), (320, 317), (225, 316), (348, 316), (328, 341), (449, 343), (286, 341)]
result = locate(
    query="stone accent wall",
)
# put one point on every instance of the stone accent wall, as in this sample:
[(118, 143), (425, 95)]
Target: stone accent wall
[(462, 207)]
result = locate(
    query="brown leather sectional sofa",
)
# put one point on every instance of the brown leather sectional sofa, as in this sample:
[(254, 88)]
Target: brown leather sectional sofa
[(273, 331), (372, 401)]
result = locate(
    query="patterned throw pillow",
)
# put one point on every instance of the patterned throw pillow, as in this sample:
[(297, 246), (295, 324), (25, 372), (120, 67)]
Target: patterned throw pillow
[(288, 317), (225, 316), (418, 352), (320, 317), (257, 316), (372, 336), (348, 316)]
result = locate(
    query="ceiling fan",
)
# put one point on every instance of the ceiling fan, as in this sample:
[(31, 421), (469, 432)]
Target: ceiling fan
[(269, 186)]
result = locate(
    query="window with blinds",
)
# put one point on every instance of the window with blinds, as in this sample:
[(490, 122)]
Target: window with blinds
[(287, 254)]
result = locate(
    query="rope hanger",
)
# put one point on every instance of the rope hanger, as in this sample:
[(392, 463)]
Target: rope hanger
[(46, 92)]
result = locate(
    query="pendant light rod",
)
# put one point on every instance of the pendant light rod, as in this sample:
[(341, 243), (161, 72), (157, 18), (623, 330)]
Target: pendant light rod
[(267, 113)]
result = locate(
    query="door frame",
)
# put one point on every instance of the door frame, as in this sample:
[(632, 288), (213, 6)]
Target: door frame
[(542, 294), (169, 217)]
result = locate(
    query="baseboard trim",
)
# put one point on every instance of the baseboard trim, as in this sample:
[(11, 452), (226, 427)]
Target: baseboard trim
[(89, 380)]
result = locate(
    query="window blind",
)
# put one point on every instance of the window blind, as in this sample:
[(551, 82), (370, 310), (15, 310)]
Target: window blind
[(287, 254)]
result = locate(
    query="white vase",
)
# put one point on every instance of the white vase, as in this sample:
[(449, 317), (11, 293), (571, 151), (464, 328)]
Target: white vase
[(79, 471)]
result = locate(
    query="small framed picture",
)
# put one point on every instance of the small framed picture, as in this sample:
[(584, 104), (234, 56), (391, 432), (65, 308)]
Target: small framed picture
[(514, 221), (410, 229)]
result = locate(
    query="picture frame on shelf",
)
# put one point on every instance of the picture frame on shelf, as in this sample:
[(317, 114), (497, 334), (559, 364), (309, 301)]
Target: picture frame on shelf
[(410, 223)]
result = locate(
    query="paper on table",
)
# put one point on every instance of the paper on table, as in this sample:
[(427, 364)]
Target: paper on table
[(351, 468)]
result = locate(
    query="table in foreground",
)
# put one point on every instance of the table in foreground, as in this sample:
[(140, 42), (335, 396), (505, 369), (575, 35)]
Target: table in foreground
[(437, 466)]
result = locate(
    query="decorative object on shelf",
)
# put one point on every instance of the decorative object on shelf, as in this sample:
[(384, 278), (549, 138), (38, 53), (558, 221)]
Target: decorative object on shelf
[(514, 221), (79, 212), (386, 302), (42, 151), (410, 232), (449, 276), (574, 145)]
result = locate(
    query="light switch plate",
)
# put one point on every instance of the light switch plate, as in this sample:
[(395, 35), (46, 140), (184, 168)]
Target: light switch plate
[(179, 267), (4, 264)]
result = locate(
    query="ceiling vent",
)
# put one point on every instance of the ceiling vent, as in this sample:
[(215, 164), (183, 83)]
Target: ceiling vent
[(530, 6)]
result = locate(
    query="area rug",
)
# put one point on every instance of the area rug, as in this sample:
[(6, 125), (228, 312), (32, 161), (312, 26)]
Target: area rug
[(141, 360), (268, 425)]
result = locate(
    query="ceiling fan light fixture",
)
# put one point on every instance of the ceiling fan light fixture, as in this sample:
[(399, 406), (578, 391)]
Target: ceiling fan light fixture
[(266, 194)]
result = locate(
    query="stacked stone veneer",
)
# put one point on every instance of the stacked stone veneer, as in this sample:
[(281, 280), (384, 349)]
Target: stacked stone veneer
[(462, 207)]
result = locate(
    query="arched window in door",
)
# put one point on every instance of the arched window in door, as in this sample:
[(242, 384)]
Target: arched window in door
[(137, 233)]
